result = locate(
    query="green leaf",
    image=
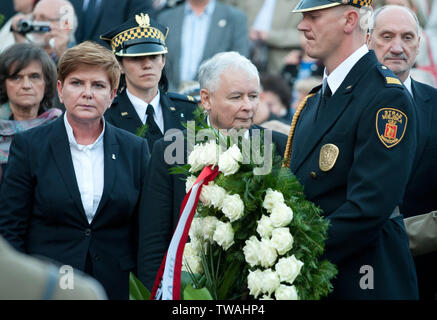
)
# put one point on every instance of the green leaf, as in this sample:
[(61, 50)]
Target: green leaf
[(137, 291), (196, 294)]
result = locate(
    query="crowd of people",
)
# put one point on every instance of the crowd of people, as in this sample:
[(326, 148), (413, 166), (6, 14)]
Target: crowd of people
[(89, 89)]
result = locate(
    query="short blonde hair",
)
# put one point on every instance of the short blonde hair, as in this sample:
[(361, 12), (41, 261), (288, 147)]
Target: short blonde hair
[(90, 54)]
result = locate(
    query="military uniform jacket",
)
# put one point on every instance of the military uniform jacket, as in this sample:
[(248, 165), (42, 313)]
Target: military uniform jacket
[(371, 120), (176, 109), (160, 208)]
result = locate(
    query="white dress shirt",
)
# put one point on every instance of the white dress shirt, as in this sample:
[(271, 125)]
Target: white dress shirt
[(88, 163), (140, 107), (339, 74), (194, 35), (407, 85), (263, 20)]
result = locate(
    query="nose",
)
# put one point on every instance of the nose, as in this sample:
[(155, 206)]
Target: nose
[(396, 46), (303, 25), (248, 104), (87, 91), (27, 84), (145, 62)]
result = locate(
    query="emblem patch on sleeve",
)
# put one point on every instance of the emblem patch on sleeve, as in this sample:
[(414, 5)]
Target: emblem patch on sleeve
[(390, 126)]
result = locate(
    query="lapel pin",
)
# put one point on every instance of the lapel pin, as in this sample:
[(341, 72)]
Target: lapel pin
[(113, 156), (172, 109), (124, 114), (222, 23), (348, 87)]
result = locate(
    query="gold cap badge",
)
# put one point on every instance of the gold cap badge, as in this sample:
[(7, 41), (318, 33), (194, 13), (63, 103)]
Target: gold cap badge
[(143, 20)]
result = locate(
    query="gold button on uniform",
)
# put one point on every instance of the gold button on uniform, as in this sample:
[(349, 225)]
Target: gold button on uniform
[(313, 174)]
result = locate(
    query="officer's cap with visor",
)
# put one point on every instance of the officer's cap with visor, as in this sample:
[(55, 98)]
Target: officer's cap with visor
[(311, 5), (139, 36)]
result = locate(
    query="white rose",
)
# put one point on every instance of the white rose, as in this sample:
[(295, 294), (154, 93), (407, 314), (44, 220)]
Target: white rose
[(286, 293), (209, 225), (194, 158), (196, 228), (224, 235), (288, 268), (211, 153), (191, 260), (189, 183), (272, 198), (233, 207), (282, 240), (251, 250), (193, 264), (281, 215), (212, 195), (266, 297), (267, 253), (228, 161), (204, 155), (265, 227), (254, 282), (270, 281)]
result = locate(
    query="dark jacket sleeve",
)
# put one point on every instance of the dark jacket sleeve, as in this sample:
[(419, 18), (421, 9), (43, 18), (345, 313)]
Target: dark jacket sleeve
[(16, 194), (155, 219)]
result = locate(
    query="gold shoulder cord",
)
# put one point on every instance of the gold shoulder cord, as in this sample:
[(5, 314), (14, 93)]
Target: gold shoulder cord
[(287, 153)]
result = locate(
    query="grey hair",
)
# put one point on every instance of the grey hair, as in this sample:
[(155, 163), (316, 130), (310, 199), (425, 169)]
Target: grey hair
[(211, 69), (380, 9)]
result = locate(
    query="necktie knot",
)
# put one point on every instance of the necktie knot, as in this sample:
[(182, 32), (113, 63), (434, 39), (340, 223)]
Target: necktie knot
[(150, 111), (325, 89)]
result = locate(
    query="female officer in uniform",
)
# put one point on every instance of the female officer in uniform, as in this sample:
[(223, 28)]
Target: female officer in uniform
[(139, 45)]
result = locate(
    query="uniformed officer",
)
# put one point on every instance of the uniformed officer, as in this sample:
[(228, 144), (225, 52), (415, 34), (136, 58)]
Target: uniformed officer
[(139, 45), (351, 145)]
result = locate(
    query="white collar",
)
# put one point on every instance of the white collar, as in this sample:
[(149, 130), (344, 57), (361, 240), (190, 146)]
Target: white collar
[(339, 74), (407, 84), (140, 105), (72, 139)]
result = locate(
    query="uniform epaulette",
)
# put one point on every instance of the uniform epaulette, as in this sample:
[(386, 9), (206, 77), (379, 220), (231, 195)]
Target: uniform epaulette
[(389, 78), (181, 97), (315, 89)]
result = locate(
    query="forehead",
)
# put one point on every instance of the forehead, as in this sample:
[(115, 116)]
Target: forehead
[(84, 72), (47, 9), (395, 20), (32, 66), (238, 79)]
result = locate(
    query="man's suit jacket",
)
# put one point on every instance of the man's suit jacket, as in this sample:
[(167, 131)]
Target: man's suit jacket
[(110, 14), (360, 193), (160, 209), (176, 110), (420, 195), (227, 32), (41, 211)]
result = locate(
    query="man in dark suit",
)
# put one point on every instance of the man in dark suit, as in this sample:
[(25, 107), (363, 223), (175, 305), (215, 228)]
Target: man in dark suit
[(353, 145), (97, 16), (145, 99), (198, 30), (394, 35), (229, 92), (71, 189)]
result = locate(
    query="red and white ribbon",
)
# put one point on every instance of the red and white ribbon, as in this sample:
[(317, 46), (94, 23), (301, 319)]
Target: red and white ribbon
[(168, 280)]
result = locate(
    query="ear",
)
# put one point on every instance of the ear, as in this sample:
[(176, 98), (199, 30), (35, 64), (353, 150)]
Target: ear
[(352, 18), (205, 99), (368, 37), (59, 87)]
